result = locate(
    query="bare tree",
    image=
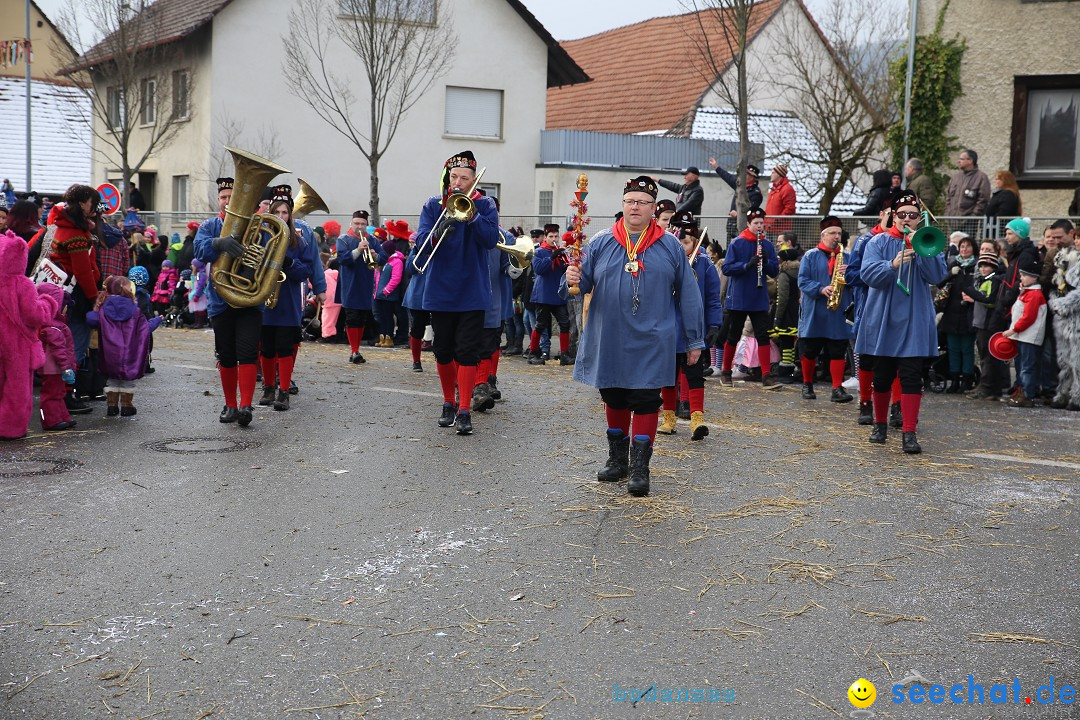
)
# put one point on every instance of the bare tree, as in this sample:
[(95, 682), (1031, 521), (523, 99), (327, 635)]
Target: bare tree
[(137, 87), (403, 47), (731, 20), (840, 87), (231, 132)]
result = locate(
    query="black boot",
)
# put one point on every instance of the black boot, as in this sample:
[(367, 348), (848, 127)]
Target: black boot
[(682, 410), (228, 414), (514, 348), (536, 357), (76, 406), (618, 462), (566, 358), (954, 385), (269, 393), (726, 378), (840, 395), (281, 402), (785, 374), (881, 432), (448, 413), (967, 382), (244, 415), (493, 382), (866, 413), (640, 452), (293, 389), (896, 418), (911, 445), (808, 391)]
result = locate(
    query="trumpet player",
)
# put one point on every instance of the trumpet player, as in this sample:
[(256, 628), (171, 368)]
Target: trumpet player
[(750, 258), (898, 329), (357, 257), (549, 264), (457, 287), (821, 327), (236, 330)]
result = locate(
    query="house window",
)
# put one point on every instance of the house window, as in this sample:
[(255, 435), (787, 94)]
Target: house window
[(546, 200), (421, 12), (1046, 128), (491, 189), (181, 88), (114, 102), (474, 112), (148, 97), (180, 193)]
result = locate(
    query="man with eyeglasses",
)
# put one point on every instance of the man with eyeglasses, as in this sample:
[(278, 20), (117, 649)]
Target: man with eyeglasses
[(897, 328), (638, 275)]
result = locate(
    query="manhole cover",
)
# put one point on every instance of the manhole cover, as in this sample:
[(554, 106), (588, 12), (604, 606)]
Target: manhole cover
[(32, 465), (189, 446)]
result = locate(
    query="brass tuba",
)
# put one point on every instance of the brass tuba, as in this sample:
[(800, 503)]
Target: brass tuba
[(520, 252), (252, 278), (307, 200)]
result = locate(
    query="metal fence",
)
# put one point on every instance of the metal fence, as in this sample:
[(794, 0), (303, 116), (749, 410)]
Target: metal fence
[(805, 227)]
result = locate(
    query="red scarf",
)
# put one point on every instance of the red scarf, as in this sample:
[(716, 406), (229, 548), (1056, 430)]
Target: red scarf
[(650, 235), (897, 233), (833, 254), (748, 235)]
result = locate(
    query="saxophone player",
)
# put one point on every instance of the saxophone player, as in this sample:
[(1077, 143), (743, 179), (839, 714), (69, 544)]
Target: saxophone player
[(821, 276), (749, 256)]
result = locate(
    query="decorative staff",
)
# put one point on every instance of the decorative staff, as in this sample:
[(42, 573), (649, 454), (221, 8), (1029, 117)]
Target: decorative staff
[(581, 219)]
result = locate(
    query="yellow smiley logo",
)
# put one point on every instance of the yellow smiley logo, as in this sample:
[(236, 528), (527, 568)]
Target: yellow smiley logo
[(862, 693)]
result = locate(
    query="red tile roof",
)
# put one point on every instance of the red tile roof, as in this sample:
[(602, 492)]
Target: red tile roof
[(659, 60)]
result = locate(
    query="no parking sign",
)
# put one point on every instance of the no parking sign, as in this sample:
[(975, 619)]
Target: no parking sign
[(110, 197)]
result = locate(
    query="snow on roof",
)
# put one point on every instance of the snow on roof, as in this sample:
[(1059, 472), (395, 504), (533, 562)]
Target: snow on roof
[(781, 133), (59, 158)]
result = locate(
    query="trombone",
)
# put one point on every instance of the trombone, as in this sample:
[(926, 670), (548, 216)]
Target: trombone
[(927, 241), (459, 208)]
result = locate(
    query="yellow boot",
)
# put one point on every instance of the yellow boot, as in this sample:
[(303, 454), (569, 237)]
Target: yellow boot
[(667, 425), (698, 428)]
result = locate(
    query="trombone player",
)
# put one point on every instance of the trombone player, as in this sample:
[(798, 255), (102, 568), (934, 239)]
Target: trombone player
[(453, 248), (356, 281), (898, 328)]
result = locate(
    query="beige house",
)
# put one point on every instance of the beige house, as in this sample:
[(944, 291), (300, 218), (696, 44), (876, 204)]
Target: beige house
[(235, 92), (1021, 104)]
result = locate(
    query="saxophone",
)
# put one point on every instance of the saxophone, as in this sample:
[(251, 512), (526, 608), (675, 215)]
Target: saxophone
[(837, 283)]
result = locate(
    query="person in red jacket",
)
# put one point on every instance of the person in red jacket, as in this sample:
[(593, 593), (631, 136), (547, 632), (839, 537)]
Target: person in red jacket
[(781, 200)]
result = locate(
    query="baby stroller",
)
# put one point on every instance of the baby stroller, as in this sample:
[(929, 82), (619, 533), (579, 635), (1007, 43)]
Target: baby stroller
[(177, 316), (936, 377)]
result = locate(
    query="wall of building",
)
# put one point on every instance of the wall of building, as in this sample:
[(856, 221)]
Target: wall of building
[(44, 39), (1005, 38), (188, 152), (505, 55)]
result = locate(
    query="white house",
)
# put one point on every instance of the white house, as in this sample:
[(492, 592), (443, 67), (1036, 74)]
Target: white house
[(491, 100)]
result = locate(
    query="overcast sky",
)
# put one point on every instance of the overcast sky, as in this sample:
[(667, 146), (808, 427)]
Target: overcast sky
[(565, 19)]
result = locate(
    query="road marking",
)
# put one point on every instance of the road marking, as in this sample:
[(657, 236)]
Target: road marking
[(409, 392), (1029, 461)]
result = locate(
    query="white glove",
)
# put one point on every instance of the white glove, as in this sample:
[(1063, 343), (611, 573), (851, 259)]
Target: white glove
[(514, 272)]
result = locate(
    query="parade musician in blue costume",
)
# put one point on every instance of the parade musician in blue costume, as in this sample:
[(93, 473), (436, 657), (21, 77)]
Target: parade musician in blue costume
[(750, 257), (457, 287), (898, 329), (280, 339), (686, 229), (236, 330), (819, 327), (500, 271), (638, 276), (356, 280), (549, 263)]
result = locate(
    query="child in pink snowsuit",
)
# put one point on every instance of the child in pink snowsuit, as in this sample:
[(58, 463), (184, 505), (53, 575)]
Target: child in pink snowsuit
[(59, 369), (22, 312)]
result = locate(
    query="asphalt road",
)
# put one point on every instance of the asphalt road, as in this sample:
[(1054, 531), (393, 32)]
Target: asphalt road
[(349, 558)]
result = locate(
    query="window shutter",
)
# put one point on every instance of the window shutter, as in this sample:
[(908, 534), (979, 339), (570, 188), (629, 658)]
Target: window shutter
[(474, 111)]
